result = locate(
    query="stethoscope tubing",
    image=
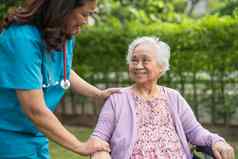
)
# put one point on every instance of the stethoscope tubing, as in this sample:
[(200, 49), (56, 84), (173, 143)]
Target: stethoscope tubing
[(65, 83)]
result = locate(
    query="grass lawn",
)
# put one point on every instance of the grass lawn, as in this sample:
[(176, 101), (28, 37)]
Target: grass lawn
[(58, 152)]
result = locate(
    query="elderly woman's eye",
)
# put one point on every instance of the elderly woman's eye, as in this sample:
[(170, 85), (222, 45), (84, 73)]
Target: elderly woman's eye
[(146, 60), (134, 60)]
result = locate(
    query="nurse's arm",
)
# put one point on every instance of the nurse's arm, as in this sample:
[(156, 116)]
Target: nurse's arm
[(34, 106), (84, 88)]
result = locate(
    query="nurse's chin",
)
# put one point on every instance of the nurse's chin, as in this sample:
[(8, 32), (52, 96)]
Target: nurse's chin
[(76, 32)]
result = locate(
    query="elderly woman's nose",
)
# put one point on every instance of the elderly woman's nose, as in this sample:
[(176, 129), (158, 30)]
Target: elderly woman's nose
[(139, 65)]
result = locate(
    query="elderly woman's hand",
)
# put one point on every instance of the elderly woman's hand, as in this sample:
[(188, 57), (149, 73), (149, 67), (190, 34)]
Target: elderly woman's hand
[(107, 92), (223, 150)]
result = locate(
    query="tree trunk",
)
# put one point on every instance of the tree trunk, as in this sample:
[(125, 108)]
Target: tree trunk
[(190, 6)]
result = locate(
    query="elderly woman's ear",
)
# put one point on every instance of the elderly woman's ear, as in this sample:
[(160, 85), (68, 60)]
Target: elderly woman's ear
[(162, 69)]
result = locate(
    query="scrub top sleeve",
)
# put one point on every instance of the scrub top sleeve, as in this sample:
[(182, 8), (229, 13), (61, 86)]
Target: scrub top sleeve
[(21, 60)]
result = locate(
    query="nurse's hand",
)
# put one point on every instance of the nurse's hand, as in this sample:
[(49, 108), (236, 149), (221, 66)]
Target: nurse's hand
[(223, 150), (107, 92), (93, 145)]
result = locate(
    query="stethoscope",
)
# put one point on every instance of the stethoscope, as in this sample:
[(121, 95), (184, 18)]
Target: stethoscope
[(65, 83)]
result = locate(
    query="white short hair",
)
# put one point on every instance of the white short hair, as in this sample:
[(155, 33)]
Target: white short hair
[(162, 53)]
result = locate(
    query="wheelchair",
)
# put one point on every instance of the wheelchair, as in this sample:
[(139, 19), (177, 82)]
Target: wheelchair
[(202, 152)]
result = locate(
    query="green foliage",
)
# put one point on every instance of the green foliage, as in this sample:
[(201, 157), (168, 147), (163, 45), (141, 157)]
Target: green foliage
[(144, 11), (229, 7), (6, 4), (147, 11)]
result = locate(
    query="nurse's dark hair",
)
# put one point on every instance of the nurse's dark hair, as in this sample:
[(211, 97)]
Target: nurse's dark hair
[(47, 16)]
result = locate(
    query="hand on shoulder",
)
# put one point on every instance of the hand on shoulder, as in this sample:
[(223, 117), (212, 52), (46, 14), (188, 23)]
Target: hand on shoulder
[(104, 94)]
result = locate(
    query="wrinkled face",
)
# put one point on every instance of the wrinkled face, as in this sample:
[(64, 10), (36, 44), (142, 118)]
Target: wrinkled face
[(143, 67), (79, 17)]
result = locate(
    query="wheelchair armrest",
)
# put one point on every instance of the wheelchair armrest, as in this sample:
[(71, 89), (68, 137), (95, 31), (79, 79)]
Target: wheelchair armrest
[(206, 150)]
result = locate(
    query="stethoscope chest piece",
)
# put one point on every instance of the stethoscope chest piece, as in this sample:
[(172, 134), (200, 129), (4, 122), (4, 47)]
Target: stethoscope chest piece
[(65, 84)]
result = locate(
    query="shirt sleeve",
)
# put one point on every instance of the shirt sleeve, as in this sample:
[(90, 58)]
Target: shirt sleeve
[(194, 131), (106, 122), (21, 59)]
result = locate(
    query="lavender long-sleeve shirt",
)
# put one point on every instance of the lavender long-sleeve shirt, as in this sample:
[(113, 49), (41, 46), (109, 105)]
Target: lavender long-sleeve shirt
[(117, 123)]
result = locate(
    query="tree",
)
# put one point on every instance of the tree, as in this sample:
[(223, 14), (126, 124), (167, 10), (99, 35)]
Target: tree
[(190, 6), (143, 10)]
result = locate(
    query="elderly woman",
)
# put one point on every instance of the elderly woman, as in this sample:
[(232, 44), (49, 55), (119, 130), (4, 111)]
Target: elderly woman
[(149, 121)]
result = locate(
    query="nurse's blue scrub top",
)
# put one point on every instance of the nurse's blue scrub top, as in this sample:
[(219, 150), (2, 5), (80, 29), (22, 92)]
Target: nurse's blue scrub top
[(26, 64)]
